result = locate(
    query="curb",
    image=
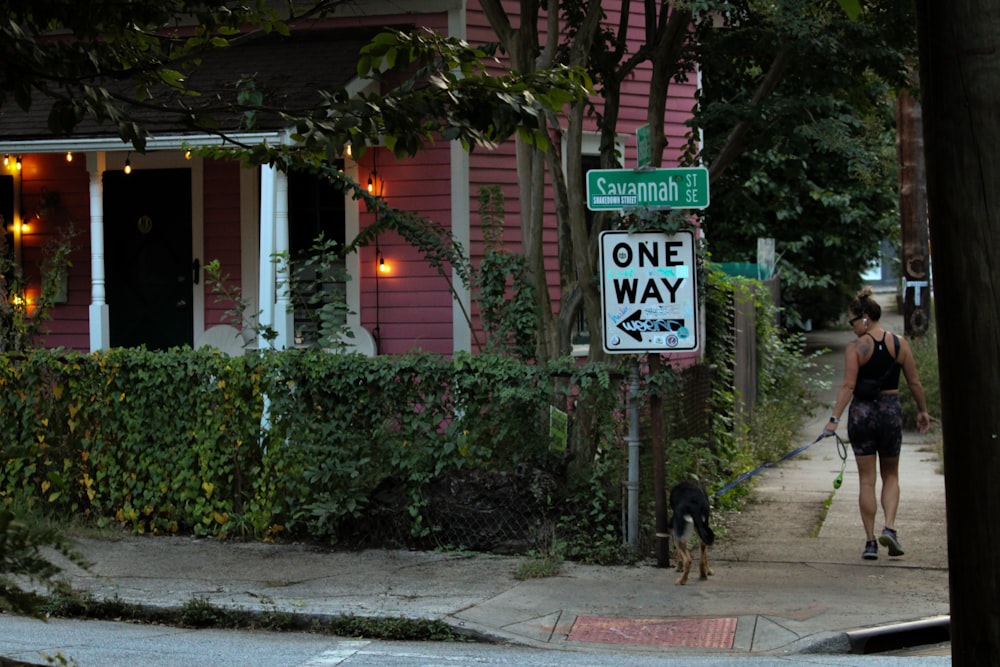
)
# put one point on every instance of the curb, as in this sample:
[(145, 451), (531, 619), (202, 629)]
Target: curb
[(900, 635)]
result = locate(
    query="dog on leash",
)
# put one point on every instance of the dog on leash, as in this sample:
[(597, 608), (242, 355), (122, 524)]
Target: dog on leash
[(690, 512)]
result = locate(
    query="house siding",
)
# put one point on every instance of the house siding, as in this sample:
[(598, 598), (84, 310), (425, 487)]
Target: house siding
[(408, 308), (221, 232), (66, 185)]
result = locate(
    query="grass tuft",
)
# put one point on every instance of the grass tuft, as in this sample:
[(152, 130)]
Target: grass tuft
[(200, 612)]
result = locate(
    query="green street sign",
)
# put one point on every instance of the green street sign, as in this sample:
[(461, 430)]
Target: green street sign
[(610, 189)]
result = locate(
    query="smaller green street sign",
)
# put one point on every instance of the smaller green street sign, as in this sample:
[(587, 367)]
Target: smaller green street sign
[(610, 189), (643, 147)]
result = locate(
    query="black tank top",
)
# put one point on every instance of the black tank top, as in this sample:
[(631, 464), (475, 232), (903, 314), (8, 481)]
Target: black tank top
[(882, 365)]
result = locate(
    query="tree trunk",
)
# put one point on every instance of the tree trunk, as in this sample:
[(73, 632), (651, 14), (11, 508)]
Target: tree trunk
[(960, 84), (666, 53), (522, 46)]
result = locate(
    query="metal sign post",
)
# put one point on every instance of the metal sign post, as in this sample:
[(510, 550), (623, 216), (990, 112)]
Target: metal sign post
[(649, 297)]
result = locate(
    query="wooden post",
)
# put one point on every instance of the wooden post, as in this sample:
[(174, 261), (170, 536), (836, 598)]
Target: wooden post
[(960, 95), (913, 216)]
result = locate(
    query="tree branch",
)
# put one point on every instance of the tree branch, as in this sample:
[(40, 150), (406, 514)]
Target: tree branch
[(736, 141)]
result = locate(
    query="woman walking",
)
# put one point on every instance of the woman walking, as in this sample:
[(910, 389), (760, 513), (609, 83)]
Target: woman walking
[(875, 419)]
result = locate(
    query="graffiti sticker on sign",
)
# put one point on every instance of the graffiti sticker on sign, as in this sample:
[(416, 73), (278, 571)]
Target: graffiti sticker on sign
[(649, 292)]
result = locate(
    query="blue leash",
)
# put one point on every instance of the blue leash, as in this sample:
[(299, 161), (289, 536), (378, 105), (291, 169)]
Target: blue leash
[(841, 450)]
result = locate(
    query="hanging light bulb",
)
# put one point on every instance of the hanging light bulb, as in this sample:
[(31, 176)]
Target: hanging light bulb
[(371, 182), (6, 160), (187, 154), (128, 165), (19, 163), (69, 156)]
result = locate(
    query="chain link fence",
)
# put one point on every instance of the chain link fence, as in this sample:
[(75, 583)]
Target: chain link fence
[(505, 512)]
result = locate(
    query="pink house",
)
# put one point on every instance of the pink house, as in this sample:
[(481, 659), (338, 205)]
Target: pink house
[(143, 238)]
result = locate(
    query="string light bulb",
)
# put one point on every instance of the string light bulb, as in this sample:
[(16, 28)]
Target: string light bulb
[(69, 156)]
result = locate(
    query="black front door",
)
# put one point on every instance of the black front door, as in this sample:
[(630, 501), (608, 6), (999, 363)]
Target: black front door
[(148, 263)]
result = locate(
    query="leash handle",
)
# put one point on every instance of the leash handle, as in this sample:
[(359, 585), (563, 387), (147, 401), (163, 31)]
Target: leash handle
[(842, 452)]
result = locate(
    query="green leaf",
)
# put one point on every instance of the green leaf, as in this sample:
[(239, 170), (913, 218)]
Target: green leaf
[(852, 8), (364, 65), (172, 78)]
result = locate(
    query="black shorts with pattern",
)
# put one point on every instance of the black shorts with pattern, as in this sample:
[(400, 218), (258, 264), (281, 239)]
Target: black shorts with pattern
[(876, 426)]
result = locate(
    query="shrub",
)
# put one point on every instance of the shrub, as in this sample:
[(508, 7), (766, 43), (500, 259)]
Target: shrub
[(926, 357), (785, 394), (183, 440)]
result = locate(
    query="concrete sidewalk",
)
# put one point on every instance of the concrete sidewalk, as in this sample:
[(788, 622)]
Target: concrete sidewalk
[(776, 592)]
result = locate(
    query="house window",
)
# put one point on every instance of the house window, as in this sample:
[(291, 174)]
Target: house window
[(315, 207)]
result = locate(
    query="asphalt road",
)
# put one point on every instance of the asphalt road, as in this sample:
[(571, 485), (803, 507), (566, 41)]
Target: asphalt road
[(109, 644)]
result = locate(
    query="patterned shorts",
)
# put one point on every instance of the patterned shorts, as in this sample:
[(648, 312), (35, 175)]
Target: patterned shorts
[(876, 427)]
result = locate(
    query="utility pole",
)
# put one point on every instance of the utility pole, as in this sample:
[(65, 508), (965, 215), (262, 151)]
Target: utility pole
[(960, 95), (913, 216)]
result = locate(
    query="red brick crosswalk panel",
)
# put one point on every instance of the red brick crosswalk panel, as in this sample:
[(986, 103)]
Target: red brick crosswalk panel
[(687, 632)]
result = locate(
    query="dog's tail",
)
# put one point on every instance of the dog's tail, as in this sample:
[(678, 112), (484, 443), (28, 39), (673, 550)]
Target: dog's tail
[(704, 530)]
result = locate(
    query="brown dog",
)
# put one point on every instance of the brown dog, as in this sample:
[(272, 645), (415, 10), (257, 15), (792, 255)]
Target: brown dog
[(690, 509)]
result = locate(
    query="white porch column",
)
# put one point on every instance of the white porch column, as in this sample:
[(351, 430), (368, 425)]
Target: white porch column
[(266, 286), (275, 301), (100, 330)]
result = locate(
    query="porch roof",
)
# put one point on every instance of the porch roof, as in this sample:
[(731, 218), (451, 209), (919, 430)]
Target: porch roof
[(288, 71)]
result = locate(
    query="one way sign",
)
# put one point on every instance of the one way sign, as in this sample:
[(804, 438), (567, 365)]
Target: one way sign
[(649, 292)]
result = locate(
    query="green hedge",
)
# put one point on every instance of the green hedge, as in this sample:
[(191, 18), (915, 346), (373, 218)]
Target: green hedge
[(173, 441), (309, 445)]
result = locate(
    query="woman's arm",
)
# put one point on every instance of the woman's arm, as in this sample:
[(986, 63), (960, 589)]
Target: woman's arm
[(846, 386)]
